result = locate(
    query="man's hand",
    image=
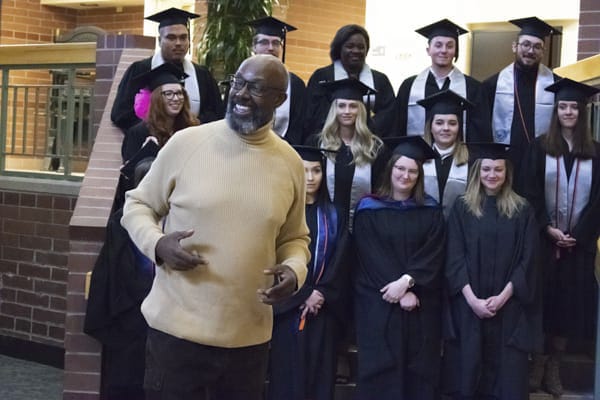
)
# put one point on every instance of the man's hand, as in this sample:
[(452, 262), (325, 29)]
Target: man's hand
[(169, 251), (284, 286)]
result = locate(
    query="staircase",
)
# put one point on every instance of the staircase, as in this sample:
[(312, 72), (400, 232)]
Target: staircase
[(577, 373)]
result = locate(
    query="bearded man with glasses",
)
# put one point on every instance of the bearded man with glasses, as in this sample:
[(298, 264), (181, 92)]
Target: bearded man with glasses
[(521, 109), (221, 213)]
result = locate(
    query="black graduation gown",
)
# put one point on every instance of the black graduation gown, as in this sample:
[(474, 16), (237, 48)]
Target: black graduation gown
[(518, 139), (118, 286), (489, 356), (132, 143), (570, 290), (344, 172), (135, 155), (123, 115), (478, 127), (295, 132), (318, 102), (303, 363), (398, 351)]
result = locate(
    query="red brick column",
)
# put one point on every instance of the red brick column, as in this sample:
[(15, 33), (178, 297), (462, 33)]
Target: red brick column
[(87, 227), (589, 29)]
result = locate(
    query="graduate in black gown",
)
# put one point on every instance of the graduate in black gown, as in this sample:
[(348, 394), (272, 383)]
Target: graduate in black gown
[(399, 236), (348, 52), (269, 38), (492, 284), (121, 279), (520, 107), (353, 171), (306, 327), (442, 74), (564, 188), (164, 108), (174, 43), (446, 175)]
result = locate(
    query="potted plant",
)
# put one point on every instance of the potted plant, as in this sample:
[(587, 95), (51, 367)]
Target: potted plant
[(227, 39)]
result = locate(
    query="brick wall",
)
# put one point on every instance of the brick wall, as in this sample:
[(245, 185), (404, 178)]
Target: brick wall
[(127, 21), (34, 248), (589, 29), (87, 227), (317, 21), (27, 21)]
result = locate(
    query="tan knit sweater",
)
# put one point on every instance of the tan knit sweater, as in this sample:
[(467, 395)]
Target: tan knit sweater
[(244, 197)]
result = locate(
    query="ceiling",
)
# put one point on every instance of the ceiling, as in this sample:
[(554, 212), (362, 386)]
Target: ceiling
[(91, 4)]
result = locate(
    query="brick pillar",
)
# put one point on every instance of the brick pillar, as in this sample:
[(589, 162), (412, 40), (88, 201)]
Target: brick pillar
[(589, 29), (87, 226)]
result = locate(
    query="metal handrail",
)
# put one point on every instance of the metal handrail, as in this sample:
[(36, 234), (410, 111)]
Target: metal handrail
[(46, 130)]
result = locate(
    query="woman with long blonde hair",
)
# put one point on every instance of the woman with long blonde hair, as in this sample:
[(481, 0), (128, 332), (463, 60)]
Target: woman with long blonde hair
[(491, 277), (354, 170), (564, 187)]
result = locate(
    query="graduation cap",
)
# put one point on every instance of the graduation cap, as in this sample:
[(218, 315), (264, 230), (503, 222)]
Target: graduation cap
[(535, 27), (446, 102), (273, 27), (491, 150), (163, 74), (349, 89), (411, 146), (150, 149), (310, 153), (570, 90), (172, 16), (445, 28)]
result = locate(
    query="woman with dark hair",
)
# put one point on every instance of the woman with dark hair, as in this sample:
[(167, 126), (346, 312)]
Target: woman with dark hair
[(399, 237), (564, 187), (446, 176), (307, 326), (491, 278), (348, 52)]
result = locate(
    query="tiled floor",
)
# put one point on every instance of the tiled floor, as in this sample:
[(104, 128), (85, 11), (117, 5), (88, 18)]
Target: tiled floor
[(20, 380)]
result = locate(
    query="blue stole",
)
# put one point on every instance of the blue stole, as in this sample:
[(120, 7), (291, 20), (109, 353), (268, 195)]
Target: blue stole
[(373, 202), (326, 238)]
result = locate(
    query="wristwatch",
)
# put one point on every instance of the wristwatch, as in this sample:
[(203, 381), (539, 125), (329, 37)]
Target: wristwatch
[(410, 281)]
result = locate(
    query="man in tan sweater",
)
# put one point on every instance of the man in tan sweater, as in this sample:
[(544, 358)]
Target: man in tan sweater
[(221, 212)]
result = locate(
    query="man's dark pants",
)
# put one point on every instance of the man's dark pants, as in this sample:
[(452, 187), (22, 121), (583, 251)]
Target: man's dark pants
[(178, 369)]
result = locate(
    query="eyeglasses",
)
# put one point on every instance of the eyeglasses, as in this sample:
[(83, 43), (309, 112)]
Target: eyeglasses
[(267, 42), (538, 47), (170, 94), (255, 88)]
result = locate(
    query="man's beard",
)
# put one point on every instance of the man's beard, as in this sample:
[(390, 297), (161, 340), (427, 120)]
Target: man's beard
[(525, 67), (246, 125)]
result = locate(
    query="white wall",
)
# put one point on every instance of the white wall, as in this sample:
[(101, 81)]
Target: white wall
[(398, 51)]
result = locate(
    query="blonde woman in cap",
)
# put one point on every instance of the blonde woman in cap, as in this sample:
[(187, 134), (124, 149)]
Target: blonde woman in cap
[(491, 278)]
